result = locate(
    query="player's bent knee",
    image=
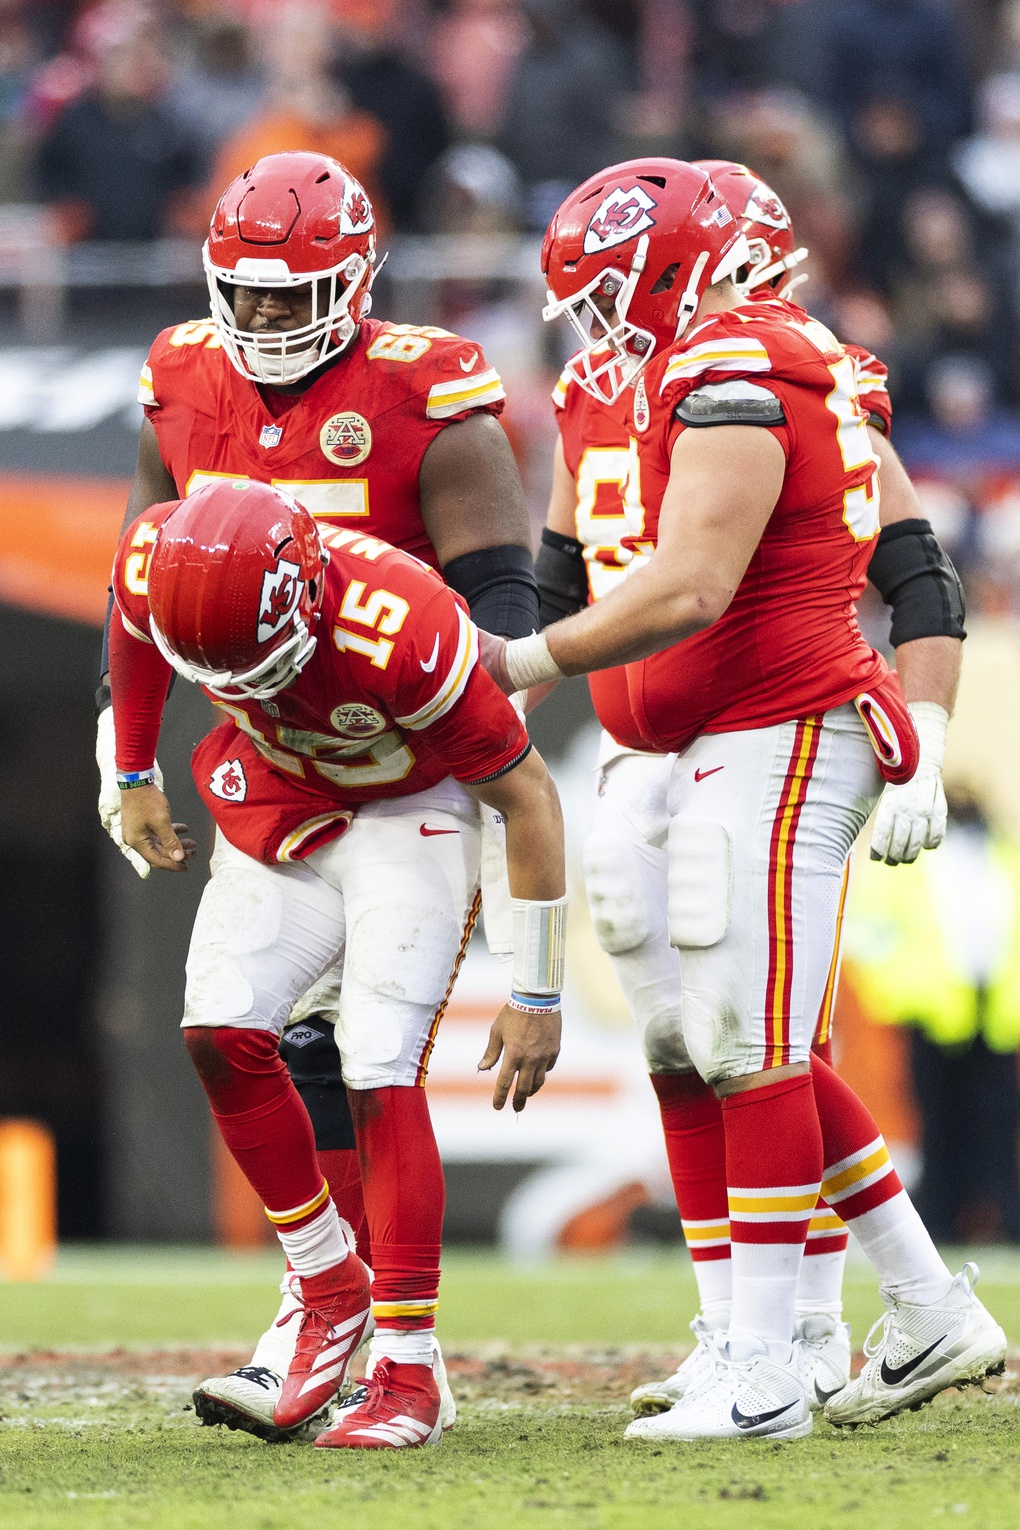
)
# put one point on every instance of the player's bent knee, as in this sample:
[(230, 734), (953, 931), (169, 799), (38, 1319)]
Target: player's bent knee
[(403, 952), (716, 1036), (700, 882), (616, 898), (663, 1043)]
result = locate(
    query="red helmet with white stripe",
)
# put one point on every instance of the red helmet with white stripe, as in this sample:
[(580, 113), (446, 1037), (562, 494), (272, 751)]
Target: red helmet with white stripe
[(765, 221), (292, 220), (627, 258), (235, 586)]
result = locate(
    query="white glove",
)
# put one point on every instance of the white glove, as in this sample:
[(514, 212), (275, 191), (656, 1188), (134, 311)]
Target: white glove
[(109, 791), (912, 817)]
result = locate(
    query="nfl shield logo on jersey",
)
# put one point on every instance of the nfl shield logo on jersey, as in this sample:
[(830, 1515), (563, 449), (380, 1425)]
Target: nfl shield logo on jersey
[(346, 438), (619, 216), (229, 781), (281, 591), (270, 435)]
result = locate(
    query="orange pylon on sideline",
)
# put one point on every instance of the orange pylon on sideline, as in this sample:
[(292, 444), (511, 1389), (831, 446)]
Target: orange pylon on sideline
[(28, 1200)]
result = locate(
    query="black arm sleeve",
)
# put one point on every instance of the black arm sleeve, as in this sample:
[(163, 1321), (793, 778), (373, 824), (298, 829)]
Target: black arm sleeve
[(562, 577), (498, 584), (913, 575)]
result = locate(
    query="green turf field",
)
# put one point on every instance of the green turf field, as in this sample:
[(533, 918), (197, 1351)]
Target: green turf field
[(96, 1433)]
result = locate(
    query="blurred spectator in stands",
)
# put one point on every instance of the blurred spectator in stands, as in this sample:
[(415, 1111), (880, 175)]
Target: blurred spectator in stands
[(562, 110), (474, 46), (936, 946), (17, 56), (382, 82), (473, 189), (220, 86), (989, 163), (967, 434), (117, 162), (304, 108), (900, 50)]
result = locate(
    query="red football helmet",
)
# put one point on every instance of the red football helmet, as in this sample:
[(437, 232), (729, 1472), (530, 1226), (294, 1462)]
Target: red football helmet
[(292, 220), (765, 221), (235, 586), (651, 235)]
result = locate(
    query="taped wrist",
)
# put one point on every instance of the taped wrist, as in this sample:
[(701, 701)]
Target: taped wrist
[(562, 577), (499, 586), (914, 576), (529, 662), (540, 936)]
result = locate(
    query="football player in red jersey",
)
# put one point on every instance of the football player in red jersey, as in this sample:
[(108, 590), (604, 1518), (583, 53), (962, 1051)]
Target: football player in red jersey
[(385, 428), (743, 656), (360, 730), (596, 501)]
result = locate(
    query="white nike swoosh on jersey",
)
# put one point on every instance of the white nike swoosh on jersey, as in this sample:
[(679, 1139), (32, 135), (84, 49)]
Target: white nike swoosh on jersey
[(468, 366), (433, 661)]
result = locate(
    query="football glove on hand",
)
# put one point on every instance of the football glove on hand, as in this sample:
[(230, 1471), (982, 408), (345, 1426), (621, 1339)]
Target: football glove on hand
[(109, 791), (912, 817)]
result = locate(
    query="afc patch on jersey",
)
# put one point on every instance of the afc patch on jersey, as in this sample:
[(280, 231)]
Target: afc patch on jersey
[(281, 591), (229, 782), (346, 438), (618, 217), (355, 720)]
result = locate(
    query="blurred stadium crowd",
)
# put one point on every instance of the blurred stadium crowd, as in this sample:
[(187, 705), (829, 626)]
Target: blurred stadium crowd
[(891, 128)]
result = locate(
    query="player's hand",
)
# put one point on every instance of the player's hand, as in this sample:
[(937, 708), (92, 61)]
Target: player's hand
[(910, 818), (147, 829), (529, 1046), (490, 651), (109, 791)]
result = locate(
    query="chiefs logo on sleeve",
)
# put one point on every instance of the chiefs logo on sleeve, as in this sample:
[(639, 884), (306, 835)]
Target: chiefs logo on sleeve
[(229, 781), (619, 216), (281, 591)]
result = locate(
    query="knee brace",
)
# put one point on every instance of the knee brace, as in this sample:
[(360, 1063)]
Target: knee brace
[(313, 1062), (616, 897), (699, 882)]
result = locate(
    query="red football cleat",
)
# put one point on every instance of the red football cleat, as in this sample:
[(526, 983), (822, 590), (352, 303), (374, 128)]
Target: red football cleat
[(399, 1409), (334, 1313)]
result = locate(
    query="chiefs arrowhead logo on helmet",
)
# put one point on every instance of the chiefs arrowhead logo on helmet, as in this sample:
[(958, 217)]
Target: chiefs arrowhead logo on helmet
[(765, 207), (281, 591), (356, 212), (619, 217)]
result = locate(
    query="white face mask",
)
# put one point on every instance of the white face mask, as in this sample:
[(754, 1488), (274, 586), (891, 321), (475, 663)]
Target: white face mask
[(259, 683)]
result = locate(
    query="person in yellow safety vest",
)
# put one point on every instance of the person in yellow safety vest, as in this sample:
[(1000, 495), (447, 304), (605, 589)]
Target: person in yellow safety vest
[(936, 945)]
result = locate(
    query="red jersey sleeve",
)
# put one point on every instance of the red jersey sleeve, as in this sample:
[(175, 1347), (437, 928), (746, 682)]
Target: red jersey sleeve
[(729, 367), (139, 675), (168, 361), (873, 387), (450, 375)]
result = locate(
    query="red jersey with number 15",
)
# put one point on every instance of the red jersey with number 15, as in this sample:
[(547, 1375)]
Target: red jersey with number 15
[(391, 702), (349, 448)]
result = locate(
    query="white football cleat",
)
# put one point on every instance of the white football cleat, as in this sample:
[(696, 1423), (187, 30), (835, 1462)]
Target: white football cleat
[(749, 1397), (821, 1356), (658, 1396), (921, 1351)]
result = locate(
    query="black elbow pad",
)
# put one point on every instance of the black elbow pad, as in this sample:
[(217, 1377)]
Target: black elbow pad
[(913, 575), (562, 577), (498, 584)]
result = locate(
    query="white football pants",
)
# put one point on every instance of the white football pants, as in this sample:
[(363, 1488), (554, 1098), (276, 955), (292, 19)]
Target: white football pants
[(625, 877), (761, 823), (385, 912)]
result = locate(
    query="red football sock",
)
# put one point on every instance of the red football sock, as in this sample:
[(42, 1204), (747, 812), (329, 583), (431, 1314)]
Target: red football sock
[(342, 1173), (405, 1197), (261, 1118), (692, 1123), (773, 1173), (858, 1170)]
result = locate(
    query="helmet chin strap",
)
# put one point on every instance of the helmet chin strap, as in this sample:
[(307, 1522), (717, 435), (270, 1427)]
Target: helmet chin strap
[(690, 297)]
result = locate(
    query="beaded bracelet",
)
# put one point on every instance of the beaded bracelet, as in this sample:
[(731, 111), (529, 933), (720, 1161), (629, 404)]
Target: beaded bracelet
[(128, 779), (534, 1003)]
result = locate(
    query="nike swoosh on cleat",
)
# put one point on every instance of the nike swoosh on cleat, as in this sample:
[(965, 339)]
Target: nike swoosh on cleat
[(752, 1420), (430, 666), (699, 775), (823, 1397), (892, 1375), (426, 832)]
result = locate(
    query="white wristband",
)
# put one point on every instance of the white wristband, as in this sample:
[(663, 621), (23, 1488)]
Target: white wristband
[(931, 722), (529, 662), (540, 937)]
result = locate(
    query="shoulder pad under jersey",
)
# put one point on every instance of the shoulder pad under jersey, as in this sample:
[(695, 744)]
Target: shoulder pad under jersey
[(730, 403)]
